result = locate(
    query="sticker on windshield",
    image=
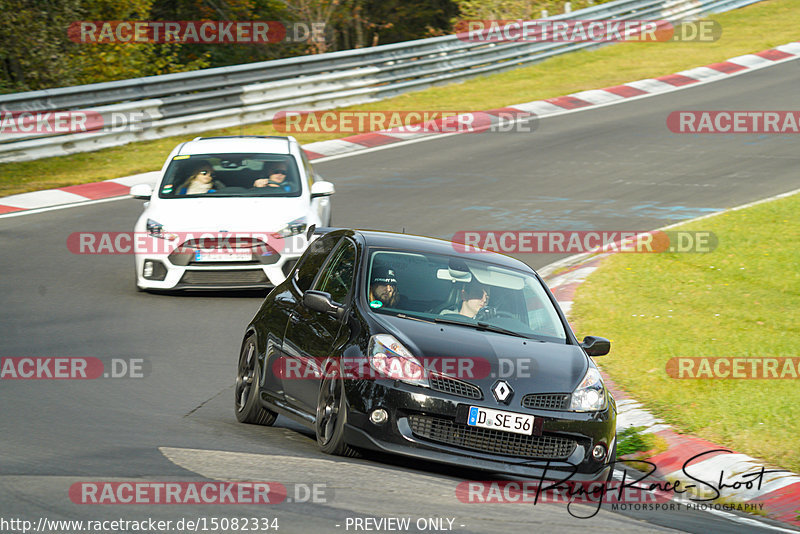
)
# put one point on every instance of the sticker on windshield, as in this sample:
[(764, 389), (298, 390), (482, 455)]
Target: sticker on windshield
[(375, 304), (167, 188)]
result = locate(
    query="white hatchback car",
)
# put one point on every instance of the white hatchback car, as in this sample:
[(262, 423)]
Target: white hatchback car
[(228, 212)]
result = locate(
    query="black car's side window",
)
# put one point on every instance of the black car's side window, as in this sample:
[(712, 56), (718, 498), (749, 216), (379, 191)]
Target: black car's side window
[(338, 276), (312, 261)]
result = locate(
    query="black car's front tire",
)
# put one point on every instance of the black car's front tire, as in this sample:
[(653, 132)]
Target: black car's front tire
[(248, 408), (331, 417)]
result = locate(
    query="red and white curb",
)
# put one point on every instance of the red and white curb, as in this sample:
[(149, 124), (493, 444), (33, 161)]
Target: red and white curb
[(74, 194), (118, 187), (777, 494), (577, 101)]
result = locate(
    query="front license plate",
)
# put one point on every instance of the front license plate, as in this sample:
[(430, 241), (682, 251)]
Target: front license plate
[(500, 420), (223, 256)]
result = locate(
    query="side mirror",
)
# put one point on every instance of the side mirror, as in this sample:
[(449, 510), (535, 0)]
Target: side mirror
[(596, 346), (142, 191), (321, 302), (322, 189)]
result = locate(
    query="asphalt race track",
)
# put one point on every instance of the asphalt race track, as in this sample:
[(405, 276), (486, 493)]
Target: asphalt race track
[(610, 168)]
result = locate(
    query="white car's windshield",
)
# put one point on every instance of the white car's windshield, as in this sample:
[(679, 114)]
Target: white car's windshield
[(227, 175), (453, 289)]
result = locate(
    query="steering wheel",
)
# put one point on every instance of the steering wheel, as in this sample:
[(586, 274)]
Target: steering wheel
[(490, 312)]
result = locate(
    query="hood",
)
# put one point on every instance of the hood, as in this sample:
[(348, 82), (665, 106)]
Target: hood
[(238, 214), (528, 365)]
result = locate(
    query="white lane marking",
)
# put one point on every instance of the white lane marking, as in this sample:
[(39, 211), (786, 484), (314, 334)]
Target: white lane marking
[(631, 413), (750, 60), (702, 73), (748, 521), (540, 108), (597, 96), (62, 207), (791, 48), (573, 277), (149, 178), (40, 199), (653, 86), (334, 147)]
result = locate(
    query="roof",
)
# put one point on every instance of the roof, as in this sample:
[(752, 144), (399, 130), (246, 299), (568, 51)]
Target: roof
[(238, 144), (374, 238)]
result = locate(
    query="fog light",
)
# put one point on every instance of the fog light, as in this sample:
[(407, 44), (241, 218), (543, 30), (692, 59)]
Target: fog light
[(147, 272), (599, 452), (378, 416)]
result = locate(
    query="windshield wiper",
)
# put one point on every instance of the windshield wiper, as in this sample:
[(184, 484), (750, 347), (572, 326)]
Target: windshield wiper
[(482, 326), (404, 316)]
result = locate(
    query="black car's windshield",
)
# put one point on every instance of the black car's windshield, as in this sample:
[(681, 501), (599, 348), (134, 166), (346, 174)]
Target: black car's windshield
[(231, 175), (458, 290)]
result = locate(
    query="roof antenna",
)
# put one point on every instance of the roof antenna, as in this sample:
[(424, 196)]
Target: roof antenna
[(404, 229)]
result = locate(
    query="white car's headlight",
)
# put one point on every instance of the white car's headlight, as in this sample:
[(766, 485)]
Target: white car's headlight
[(297, 226), (590, 395), (155, 229), (391, 359)]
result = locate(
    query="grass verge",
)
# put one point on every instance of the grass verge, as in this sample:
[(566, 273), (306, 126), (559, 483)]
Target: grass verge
[(633, 444), (741, 300), (742, 33)]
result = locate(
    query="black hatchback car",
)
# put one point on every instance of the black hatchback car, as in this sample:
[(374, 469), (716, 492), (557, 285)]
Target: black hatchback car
[(414, 346)]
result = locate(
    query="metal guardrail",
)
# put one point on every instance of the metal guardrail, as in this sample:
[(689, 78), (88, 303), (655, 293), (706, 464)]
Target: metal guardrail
[(192, 102)]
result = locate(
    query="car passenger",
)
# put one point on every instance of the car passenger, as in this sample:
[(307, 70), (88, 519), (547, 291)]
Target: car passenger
[(199, 182), (383, 289)]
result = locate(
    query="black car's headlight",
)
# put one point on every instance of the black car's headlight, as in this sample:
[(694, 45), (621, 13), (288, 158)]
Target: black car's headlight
[(590, 395), (391, 359)]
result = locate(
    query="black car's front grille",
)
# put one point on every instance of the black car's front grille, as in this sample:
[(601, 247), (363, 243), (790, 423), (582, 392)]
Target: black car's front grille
[(490, 441), (213, 278), (453, 386), (547, 401)]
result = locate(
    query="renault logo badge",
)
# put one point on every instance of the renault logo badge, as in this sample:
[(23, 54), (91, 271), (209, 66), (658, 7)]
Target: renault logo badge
[(502, 391)]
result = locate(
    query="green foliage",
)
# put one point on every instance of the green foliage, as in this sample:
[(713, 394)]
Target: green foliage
[(36, 52), (34, 47), (739, 301), (631, 441), (517, 9)]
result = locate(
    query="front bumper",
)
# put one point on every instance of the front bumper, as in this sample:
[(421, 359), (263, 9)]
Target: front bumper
[(227, 275), (559, 449)]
